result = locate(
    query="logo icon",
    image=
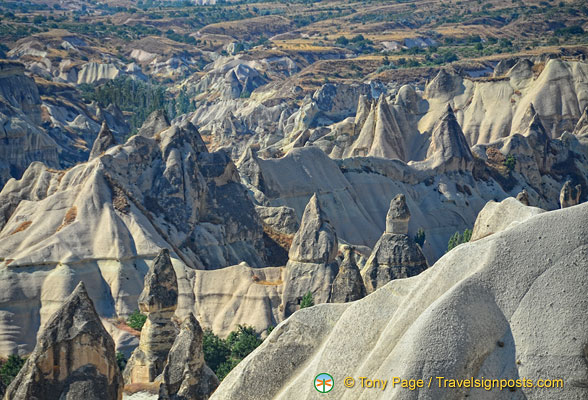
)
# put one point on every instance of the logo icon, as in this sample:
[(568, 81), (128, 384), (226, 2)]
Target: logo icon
[(323, 383)]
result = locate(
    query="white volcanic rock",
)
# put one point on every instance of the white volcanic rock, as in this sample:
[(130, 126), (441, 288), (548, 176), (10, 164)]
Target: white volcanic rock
[(449, 150), (103, 142), (316, 240), (186, 375), (93, 72), (105, 220), (311, 266), (238, 295), (356, 192), (570, 195), (381, 135), (503, 307), (73, 359), (158, 301), (496, 217), (490, 110)]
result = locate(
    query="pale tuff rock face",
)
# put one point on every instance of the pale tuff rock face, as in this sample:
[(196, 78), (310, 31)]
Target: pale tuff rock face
[(395, 255), (74, 357), (523, 197), (496, 217), (316, 240), (348, 285), (503, 307), (570, 195), (398, 216), (158, 301), (449, 150), (156, 122), (581, 129), (312, 266), (186, 376), (103, 222), (103, 142)]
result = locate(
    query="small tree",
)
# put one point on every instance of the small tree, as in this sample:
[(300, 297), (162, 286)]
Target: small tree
[(10, 369), (306, 301), (137, 320), (510, 162), (121, 360), (457, 239), (420, 237)]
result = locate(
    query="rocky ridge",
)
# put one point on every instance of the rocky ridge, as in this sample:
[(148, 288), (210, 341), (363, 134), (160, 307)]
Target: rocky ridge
[(503, 315)]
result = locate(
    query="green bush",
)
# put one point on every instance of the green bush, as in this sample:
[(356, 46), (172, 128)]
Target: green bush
[(457, 239), (136, 320), (121, 360), (306, 301), (510, 162), (420, 237), (222, 355), (10, 369)]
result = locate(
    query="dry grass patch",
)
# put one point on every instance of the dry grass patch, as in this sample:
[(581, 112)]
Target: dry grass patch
[(22, 227), (70, 216)]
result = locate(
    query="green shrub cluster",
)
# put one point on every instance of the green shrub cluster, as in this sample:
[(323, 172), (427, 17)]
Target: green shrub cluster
[(136, 320), (10, 368), (222, 355), (459, 238)]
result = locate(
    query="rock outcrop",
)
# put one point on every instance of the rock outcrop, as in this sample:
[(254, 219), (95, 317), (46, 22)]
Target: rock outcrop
[(103, 222), (103, 142), (348, 284), (398, 216), (396, 255), (496, 217), (186, 376), (523, 197), (311, 266), (504, 307), (74, 357), (570, 195), (155, 123), (158, 301), (449, 149)]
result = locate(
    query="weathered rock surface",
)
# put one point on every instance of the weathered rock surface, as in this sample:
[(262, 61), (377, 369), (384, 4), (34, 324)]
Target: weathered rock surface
[(155, 123), (355, 192), (396, 255), (105, 220), (570, 195), (348, 284), (496, 217), (186, 376), (523, 197), (45, 121), (238, 295), (103, 142), (449, 150), (312, 266), (158, 300), (480, 311), (74, 357), (398, 216), (281, 219), (316, 240)]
